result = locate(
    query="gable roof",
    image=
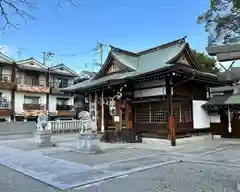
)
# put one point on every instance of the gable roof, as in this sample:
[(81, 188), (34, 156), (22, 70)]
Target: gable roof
[(31, 64), (88, 73), (84, 75), (54, 69), (5, 59), (142, 62), (147, 60)]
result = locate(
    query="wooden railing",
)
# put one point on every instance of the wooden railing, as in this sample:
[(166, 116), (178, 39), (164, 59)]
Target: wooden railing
[(59, 84), (30, 81), (65, 126), (64, 107), (32, 106)]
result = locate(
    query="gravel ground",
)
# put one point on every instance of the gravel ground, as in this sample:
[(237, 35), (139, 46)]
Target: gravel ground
[(181, 177)]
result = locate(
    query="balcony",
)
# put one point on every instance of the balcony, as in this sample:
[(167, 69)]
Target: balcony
[(27, 106), (33, 110), (65, 111), (64, 107), (6, 82), (31, 85), (56, 85), (5, 107)]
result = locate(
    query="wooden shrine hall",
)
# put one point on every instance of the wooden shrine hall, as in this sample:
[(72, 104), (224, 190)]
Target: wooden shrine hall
[(155, 93)]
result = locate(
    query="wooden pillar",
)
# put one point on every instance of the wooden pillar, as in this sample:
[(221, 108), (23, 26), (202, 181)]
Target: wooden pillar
[(90, 102), (95, 107), (171, 119), (129, 114), (102, 112), (118, 113)]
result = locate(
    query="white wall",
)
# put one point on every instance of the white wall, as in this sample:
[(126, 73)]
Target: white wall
[(7, 94), (53, 101), (19, 100), (201, 118), (7, 72)]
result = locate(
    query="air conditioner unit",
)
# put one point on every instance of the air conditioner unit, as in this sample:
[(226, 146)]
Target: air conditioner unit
[(5, 78)]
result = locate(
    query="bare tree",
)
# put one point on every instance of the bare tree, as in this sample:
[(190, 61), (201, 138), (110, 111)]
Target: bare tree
[(21, 8)]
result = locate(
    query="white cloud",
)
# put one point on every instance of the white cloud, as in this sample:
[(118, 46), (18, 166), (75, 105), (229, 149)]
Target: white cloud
[(4, 49)]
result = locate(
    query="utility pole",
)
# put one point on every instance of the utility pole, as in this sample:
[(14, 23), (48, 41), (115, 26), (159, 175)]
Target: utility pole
[(46, 56), (100, 49)]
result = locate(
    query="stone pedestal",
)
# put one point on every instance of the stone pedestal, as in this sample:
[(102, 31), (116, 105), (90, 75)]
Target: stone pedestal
[(43, 138), (89, 143)]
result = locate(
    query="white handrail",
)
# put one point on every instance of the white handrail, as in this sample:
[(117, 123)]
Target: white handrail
[(65, 125)]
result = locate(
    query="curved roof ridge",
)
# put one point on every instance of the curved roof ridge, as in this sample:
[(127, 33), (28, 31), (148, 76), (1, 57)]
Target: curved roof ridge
[(123, 51), (163, 46)]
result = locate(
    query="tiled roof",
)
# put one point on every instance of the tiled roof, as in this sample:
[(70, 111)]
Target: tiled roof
[(138, 63), (224, 100)]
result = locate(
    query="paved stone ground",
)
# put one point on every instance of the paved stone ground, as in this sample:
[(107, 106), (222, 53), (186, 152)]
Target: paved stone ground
[(17, 128), (204, 165)]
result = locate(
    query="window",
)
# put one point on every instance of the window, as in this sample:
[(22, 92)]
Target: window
[(186, 114), (31, 80), (158, 114), (142, 113), (31, 100), (63, 82), (62, 101), (177, 113)]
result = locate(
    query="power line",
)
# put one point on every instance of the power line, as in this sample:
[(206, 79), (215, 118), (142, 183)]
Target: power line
[(74, 54)]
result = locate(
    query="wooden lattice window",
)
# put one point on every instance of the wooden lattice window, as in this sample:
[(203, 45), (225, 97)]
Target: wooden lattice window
[(186, 114), (159, 114), (177, 113), (142, 113)]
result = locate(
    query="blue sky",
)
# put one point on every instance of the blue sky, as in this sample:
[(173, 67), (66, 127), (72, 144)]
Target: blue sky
[(129, 24)]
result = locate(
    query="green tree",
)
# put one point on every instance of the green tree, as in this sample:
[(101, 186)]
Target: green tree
[(222, 21), (206, 63)]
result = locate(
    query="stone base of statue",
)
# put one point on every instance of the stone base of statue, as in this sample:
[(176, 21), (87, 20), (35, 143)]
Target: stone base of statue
[(89, 143), (43, 138)]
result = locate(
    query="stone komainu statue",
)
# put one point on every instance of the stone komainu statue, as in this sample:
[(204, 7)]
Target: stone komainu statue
[(42, 122), (87, 124)]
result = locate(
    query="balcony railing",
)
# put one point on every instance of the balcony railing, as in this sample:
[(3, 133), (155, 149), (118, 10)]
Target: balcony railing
[(59, 84), (30, 81), (4, 103), (27, 106), (64, 107), (5, 78)]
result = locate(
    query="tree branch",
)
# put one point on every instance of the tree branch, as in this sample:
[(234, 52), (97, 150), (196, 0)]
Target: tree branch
[(21, 8)]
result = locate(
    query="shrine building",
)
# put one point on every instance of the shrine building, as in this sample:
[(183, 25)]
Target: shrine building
[(157, 93)]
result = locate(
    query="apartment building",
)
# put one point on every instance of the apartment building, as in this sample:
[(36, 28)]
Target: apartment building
[(61, 104), (28, 88), (7, 87)]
